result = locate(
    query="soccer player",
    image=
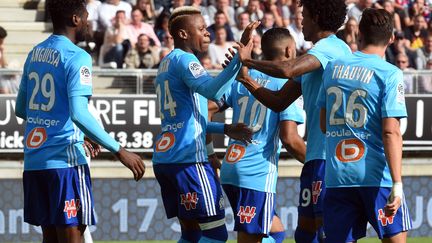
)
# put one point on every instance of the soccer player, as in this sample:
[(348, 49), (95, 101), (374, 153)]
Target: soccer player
[(321, 19), (52, 99), (249, 171), (362, 100), (189, 187)]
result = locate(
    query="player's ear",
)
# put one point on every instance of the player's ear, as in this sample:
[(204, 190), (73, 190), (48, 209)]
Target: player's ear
[(182, 33), (290, 51), (392, 38), (75, 20)]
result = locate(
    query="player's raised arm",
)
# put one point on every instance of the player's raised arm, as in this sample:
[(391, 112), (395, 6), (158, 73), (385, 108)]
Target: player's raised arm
[(275, 100)]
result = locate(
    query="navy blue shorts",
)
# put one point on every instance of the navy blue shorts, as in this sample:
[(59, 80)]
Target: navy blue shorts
[(312, 189), (349, 209), (58, 197), (253, 210), (190, 191)]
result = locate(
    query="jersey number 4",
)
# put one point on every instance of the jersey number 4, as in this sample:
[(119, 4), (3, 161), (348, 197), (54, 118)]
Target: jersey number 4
[(169, 103), (47, 81)]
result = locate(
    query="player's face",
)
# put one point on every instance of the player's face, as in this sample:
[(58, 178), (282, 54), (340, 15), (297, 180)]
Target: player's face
[(308, 25), (82, 27), (199, 37)]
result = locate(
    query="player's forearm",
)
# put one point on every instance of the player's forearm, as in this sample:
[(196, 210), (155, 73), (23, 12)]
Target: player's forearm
[(89, 125), (20, 106), (214, 88), (296, 147), (267, 97), (279, 69), (392, 140)]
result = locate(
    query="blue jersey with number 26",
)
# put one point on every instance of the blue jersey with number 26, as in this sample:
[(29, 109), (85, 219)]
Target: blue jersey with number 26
[(55, 70), (358, 92)]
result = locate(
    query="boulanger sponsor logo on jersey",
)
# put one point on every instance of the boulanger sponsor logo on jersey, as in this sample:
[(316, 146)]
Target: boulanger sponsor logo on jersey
[(172, 127), (384, 219), (246, 214), (40, 121), (71, 208), (350, 150), (166, 141), (36, 137), (85, 76), (234, 153), (196, 69), (189, 200)]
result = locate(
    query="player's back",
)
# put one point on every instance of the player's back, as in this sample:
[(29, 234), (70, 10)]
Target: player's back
[(50, 77), (361, 89), (255, 166), (325, 50), (183, 112)]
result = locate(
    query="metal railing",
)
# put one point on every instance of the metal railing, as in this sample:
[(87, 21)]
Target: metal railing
[(140, 81)]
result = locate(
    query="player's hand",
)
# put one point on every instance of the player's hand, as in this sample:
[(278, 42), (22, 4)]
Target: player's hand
[(215, 163), (133, 162), (394, 200), (91, 148), (240, 132), (244, 51), (247, 33), (229, 55), (242, 75)]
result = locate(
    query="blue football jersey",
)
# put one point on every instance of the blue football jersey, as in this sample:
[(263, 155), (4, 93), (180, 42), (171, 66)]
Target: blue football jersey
[(358, 92), (55, 70), (325, 50), (183, 111), (255, 166)]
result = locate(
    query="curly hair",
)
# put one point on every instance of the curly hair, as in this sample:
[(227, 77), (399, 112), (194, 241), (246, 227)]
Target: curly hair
[(330, 14), (376, 27), (61, 11)]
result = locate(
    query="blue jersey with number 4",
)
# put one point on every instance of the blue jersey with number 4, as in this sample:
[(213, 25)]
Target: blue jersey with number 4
[(358, 92), (255, 166), (55, 70), (179, 82)]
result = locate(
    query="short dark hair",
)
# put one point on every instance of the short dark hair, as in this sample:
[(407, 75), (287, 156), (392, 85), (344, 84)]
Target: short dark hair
[(3, 33), (330, 13), (61, 11), (271, 41), (376, 27)]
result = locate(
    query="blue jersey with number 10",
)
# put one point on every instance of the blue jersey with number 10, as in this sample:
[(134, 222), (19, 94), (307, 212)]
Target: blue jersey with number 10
[(255, 166), (55, 70), (358, 92)]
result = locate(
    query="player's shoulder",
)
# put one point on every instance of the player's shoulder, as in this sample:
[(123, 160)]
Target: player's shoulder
[(332, 44)]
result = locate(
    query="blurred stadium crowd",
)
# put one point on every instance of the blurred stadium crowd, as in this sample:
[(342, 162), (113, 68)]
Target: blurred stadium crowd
[(134, 33)]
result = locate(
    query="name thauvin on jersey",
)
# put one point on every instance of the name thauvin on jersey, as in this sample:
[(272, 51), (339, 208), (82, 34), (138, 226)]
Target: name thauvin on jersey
[(361, 74), (47, 55)]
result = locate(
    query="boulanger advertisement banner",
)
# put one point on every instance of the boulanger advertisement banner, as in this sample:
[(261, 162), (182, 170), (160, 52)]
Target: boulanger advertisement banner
[(134, 121), (129, 210)]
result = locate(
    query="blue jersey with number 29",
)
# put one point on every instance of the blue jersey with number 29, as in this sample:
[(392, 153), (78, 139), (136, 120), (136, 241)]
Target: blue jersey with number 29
[(55, 70)]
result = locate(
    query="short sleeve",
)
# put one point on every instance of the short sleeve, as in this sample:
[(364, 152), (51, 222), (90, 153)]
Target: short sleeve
[(79, 75), (294, 112), (393, 102), (194, 74), (321, 52)]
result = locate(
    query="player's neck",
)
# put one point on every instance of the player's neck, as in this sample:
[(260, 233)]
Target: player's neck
[(321, 35), (67, 34), (372, 49)]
